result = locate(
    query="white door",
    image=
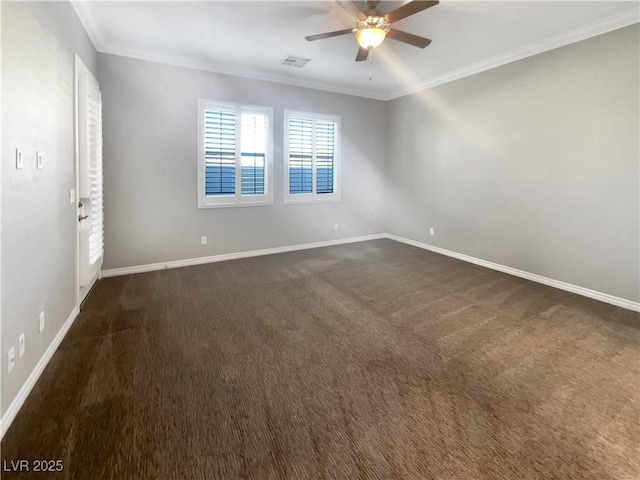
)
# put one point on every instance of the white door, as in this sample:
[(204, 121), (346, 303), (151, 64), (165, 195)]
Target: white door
[(89, 179)]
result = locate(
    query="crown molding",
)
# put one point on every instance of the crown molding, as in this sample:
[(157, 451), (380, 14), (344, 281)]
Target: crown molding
[(599, 27), (229, 70), (90, 22)]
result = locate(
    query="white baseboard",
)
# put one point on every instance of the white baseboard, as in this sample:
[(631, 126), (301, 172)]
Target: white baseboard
[(603, 297), (24, 392), (113, 272)]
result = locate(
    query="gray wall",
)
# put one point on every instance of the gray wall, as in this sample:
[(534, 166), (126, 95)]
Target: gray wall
[(38, 222), (150, 154), (534, 165)]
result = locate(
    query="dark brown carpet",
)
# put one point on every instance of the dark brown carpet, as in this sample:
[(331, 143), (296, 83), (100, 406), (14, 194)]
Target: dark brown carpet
[(374, 360)]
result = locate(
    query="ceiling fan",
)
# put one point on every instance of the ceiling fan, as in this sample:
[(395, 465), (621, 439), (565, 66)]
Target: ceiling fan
[(372, 26)]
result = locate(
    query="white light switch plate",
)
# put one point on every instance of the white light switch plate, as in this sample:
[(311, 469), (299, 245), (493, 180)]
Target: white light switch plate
[(21, 345), (72, 196)]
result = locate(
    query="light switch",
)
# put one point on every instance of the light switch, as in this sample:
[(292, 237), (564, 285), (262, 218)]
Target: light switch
[(39, 162), (72, 196)]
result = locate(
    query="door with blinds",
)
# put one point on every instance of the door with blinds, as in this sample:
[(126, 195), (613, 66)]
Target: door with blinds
[(89, 179)]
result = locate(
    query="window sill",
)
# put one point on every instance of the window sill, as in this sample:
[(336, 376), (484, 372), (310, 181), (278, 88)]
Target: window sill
[(234, 204), (292, 200)]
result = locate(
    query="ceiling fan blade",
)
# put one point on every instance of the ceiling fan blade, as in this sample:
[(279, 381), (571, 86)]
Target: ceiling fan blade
[(409, 38), (362, 55), (320, 36), (409, 9), (352, 9)]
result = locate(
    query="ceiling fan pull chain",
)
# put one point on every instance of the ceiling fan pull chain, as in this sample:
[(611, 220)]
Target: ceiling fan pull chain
[(371, 66)]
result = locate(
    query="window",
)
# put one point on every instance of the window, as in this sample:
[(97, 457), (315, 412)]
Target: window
[(235, 155), (312, 146)]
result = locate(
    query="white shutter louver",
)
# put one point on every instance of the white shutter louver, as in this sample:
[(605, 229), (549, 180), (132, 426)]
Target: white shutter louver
[(220, 152), (253, 150), (90, 191), (300, 155), (325, 156)]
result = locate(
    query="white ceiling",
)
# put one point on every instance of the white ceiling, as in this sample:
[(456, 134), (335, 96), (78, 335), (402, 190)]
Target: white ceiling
[(251, 38)]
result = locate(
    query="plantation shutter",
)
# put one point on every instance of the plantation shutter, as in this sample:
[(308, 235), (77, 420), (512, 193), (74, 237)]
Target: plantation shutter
[(300, 155), (312, 157), (90, 180), (325, 156), (220, 152), (96, 237), (253, 150), (235, 155)]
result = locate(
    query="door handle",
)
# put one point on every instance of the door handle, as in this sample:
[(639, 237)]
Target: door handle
[(83, 217)]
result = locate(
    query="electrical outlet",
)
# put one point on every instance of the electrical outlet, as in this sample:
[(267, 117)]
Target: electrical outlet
[(432, 232), (39, 161), (21, 345), (336, 227), (203, 240), (41, 321), (19, 164), (11, 359)]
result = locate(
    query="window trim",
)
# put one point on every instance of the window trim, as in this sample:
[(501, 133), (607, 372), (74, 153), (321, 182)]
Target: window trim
[(236, 199), (297, 198)]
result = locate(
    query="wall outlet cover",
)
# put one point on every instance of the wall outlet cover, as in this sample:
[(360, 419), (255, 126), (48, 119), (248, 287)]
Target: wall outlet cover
[(41, 324)]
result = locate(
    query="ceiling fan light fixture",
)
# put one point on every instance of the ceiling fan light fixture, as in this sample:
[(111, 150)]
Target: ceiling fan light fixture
[(371, 31), (370, 37), (372, 26)]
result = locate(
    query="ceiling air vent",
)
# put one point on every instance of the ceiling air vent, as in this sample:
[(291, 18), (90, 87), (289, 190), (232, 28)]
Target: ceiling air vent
[(295, 61)]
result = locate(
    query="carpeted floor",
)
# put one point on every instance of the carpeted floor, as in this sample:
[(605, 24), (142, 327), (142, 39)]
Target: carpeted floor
[(374, 360)]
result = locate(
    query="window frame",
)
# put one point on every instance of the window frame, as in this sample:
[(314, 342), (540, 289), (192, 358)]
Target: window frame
[(313, 197), (236, 199)]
